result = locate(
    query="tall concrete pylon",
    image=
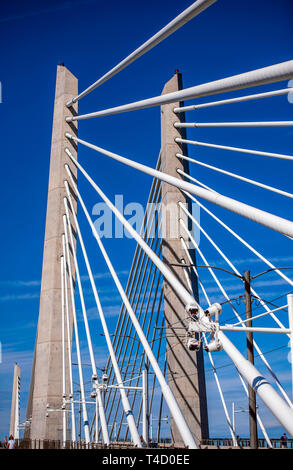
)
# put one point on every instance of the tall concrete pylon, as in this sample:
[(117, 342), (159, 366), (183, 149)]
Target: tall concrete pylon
[(46, 379), (15, 403), (185, 368)]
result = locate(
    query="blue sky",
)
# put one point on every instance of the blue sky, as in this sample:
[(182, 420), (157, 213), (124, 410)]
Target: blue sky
[(90, 37)]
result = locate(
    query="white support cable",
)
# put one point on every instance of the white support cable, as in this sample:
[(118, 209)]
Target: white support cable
[(194, 269), (224, 257), (279, 408), (228, 419), (80, 373), (234, 310), (168, 395), (267, 219), (234, 149), (262, 76), (212, 363), (239, 99), (64, 423), (207, 264), (124, 398), (180, 125), (233, 175), (239, 238), (73, 428), (280, 273), (227, 260), (257, 416), (188, 14), (88, 334), (186, 297)]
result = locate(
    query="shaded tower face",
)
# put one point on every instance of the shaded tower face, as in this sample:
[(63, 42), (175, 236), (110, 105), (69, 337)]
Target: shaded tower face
[(185, 367)]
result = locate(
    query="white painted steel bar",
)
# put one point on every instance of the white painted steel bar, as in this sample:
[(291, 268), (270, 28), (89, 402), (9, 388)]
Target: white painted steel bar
[(234, 124), (64, 421), (282, 412), (168, 395), (193, 10), (234, 175), (88, 334), (257, 215), (234, 149), (256, 329), (124, 398), (262, 76), (245, 243), (73, 428), (77, 344), (259, 316), (290, 317), (239, 99), (228, 298)]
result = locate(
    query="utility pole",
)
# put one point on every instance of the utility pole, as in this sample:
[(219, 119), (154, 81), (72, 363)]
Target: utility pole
[(250, 358)]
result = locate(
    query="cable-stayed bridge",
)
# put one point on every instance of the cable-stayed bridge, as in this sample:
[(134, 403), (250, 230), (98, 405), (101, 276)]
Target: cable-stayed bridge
[(169, 325)]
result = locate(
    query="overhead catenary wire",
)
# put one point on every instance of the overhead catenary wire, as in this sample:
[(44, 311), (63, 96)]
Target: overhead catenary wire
[(227, 297), (231, 430), (241, 239), (214, 370), (239, 99), (265, 391), (169, 397), (262, 76), (267, 219), (223, 256), (188, 14), (234, 149)]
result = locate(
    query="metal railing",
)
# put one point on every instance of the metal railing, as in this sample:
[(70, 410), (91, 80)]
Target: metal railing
[(245, 443)]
